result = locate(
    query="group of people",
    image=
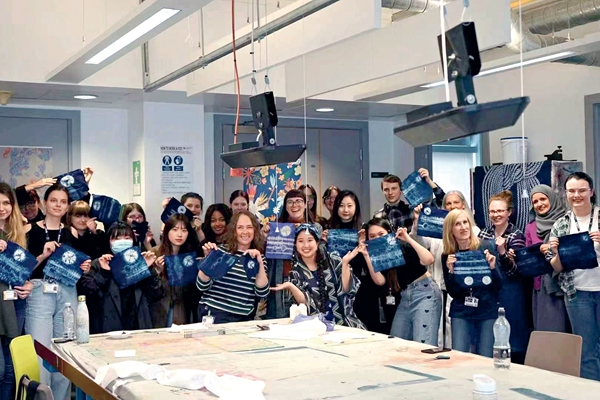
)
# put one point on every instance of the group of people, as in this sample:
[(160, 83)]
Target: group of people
[(418, 300)]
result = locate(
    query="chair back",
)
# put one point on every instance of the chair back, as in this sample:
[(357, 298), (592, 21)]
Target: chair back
[(554, 351), (24, 358), (30, 390)]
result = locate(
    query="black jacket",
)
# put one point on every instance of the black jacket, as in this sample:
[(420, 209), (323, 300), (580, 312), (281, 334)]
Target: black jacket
[(114, 309)]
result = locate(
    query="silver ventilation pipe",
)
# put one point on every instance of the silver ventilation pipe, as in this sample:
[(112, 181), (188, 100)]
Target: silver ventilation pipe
[(528, 40), (416, 6), (562, 15)]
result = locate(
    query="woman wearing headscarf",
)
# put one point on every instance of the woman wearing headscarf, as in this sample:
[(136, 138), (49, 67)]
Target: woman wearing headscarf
[(549, 312)]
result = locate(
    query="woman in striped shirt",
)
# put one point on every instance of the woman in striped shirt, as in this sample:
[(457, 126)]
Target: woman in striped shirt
[(232, 297)]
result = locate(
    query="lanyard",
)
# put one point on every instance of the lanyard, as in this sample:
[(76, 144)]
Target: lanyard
[(48, 236), (591, 221)]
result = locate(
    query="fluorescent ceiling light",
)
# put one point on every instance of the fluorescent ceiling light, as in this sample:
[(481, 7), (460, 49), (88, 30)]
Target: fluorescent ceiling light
[(85, 96), (324, 109), (511, 66), (147, 20), (133, 34)]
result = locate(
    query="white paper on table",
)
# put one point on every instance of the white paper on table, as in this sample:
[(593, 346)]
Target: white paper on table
[(190, 327), (191, 379), (301, 331), (229, 387), (341, 336), (108, 373)]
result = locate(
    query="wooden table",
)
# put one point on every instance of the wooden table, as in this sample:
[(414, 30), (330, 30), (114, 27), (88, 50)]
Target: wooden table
[(376, 367)]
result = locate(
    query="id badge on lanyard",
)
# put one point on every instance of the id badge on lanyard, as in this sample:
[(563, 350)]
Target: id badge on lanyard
[(471, 301), (390, 300), (10, 294), (50, 287)]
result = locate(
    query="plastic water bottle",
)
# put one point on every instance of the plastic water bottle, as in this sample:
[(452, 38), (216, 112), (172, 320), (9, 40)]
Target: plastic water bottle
[(68, 322), (83, 321), (502, 341)]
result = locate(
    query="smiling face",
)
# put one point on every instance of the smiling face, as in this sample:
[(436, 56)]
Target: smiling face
[(541, 203), (391, 191), (498, 212), (454, 202), (193, 205), (461, 228), (5, 208), (239, 204), (178, 235), (347, 209), (57, 204), (579, 193), (79, 222), (244, 232), (296, 208), (218, 223), (306, 245), (376, 231), (328, 201)]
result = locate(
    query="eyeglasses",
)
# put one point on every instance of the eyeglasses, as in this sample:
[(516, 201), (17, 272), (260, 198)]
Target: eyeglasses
[(29, 204), (494, 212), (298, 202), (581, 192), (330, 198)]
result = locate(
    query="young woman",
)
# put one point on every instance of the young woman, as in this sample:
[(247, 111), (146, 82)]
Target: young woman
[(417, 317), (321, 280), (346, 215), (233, 297), (581, 286), (29, 201), (180, 302), (549, 312), (215, 223), (86, 237), (44, 318), (515, 295), (239, 201), (311, 199), (453, 200), (472, 327), (131, 213), (329, 197), (12, 313), (194, 202), (294, 211), (120, 309)]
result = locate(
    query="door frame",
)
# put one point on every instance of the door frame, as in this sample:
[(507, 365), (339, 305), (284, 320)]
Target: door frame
[(361, 126), (73, 118)]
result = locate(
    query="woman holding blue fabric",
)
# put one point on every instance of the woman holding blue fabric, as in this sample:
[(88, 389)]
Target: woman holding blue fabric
[(232, 297), (43, 317), (581, 286), (417, 316), (321, 280), (473, 311), (119, 309), (134, 214), (515, 295)]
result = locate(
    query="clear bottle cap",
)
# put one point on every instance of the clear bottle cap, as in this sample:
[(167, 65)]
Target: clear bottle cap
[(67, 304), (484, 384)]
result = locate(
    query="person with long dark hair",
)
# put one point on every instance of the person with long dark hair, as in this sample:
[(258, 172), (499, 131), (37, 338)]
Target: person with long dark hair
[(195, 203), (44, 313), (329, 196), (311, 203), (120, 309), (179, 303), (233, 297), (215, 223), (323, 281), (581, 286), (239, 201), (132, 213)]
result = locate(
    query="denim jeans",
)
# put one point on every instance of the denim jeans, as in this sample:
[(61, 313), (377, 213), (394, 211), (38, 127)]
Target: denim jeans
[(418, 314), (7, 371), (220, 316), (584, 313), (44, 321), (473, 336)]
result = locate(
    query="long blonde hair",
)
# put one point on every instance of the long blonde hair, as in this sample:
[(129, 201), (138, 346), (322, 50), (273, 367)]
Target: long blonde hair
[(14, 228), (448, 239)]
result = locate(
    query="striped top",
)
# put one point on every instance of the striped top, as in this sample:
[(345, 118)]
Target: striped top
[(234, 293)]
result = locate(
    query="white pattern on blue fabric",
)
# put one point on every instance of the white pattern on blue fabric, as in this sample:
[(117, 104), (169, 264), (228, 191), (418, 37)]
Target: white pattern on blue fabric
[(69, 258), (19, 255), (130, 256), (67, 181)]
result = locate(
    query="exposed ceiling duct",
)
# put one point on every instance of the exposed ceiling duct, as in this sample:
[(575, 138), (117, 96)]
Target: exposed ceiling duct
[(562, 15), (416, 6)]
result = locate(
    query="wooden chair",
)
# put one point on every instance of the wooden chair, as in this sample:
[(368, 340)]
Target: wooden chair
[(556, 352)]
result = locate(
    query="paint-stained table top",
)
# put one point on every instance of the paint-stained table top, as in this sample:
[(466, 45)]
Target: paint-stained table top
[(375, 367)]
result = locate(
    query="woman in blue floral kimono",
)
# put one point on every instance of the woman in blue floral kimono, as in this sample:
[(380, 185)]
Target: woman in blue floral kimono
[(322, 281)]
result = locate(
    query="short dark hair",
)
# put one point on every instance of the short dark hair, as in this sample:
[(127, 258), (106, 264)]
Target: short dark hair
[(121, 229), (391, 179), (585, 177), (295, 193), (239, 193), (192, 195)]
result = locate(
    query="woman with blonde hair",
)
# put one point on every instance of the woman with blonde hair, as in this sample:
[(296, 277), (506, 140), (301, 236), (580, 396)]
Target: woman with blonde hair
[(472, 320)]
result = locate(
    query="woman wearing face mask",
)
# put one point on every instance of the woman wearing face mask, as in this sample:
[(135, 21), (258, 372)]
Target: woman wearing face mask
[(12, 313), (321, 280), (329, 197), (239, 201), (453, 200), (120, 309), (471, 326), (549, 312), (311, 199), (233, 297), (134, 214), (180, 302), (215, 223), (294, 211), (417, 317), (44, 318), (514, 295), (86, 237), (581, 286)]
